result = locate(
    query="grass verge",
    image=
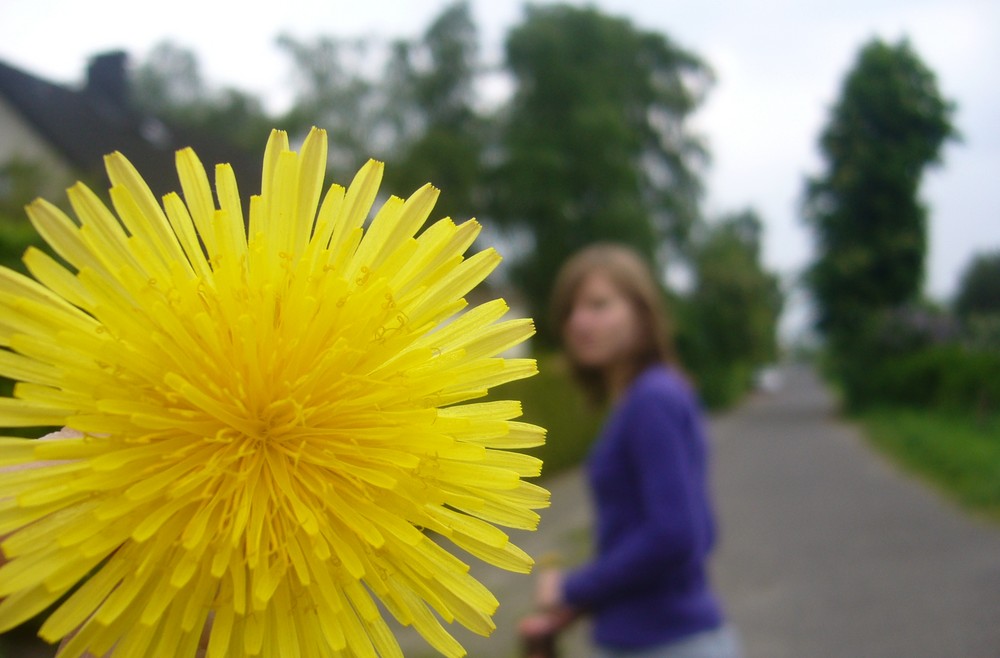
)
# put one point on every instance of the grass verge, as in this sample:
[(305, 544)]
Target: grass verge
[(958, 453)]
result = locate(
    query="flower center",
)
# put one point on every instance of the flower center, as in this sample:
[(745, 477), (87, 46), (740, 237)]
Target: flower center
[(280, 418)]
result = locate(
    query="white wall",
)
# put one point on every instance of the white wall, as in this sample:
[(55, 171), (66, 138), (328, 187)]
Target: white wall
[(18, 139)]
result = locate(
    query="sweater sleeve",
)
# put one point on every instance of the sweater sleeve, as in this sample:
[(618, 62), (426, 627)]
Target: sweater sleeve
[(666, 537)]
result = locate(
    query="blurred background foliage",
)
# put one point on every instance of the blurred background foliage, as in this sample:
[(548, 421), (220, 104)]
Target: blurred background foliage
[(592, 140), (920, 375), (887, 128), (593, 143)]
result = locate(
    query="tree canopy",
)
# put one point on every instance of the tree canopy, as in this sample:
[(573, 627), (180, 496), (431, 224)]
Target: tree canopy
[(870, 226), (869, 223), (730, 319), (168, 84), (979, 289), (594, 145), (332, 91), (433, 81)]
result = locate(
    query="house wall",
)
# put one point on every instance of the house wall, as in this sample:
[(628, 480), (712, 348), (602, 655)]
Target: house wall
[(19, 140)]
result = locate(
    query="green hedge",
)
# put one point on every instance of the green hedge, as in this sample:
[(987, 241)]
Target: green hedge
[(15, 237), (721, 386), (946, 377), (551, 399)]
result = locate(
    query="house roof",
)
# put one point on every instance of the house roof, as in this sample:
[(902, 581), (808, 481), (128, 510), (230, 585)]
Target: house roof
[(86, 124)]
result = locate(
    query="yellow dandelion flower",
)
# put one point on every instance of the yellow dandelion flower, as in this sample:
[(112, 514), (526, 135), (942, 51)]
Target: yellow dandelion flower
[(274, 433)]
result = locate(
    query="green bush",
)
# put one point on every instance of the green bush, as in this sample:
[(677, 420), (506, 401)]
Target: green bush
[(870, 361), (721, 386), (720, 382), (946, 377), (551, 399), (15, 237)]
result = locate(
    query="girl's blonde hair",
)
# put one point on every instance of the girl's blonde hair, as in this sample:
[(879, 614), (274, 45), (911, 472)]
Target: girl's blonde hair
[(630, 274)]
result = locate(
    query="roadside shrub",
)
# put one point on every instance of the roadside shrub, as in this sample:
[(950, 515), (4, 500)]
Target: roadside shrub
[(15, 237), (720, 386), (946, 377), (552, 400)]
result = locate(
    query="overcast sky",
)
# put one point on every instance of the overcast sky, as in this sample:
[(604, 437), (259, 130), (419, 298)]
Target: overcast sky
[(779, 65)]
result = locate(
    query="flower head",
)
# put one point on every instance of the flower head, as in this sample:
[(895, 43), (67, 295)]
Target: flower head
[(273, 426)]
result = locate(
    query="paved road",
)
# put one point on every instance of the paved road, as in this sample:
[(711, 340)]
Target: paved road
[(827, 550), (830, 551)]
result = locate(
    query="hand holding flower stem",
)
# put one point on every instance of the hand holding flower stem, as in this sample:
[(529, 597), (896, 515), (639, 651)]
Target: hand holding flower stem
[(539, 631)]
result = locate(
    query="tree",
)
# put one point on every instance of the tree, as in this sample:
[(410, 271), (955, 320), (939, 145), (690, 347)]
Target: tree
[(729, 321), (594, 144), (870, 226), (168, 84), (409, 103), (333, 92), (168, 80), (440, 137), (977, 303), (979, 289)]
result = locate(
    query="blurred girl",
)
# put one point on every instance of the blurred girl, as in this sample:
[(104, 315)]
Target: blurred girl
[(647, 588)]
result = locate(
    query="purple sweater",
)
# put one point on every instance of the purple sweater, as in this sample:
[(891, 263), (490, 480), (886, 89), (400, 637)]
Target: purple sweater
[(654, 524)]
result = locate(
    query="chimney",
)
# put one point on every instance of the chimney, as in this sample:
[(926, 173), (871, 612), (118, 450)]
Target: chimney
[(106, 77)]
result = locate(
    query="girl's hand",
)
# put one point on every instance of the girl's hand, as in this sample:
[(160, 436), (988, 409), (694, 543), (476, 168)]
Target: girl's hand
[(548, 589)]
